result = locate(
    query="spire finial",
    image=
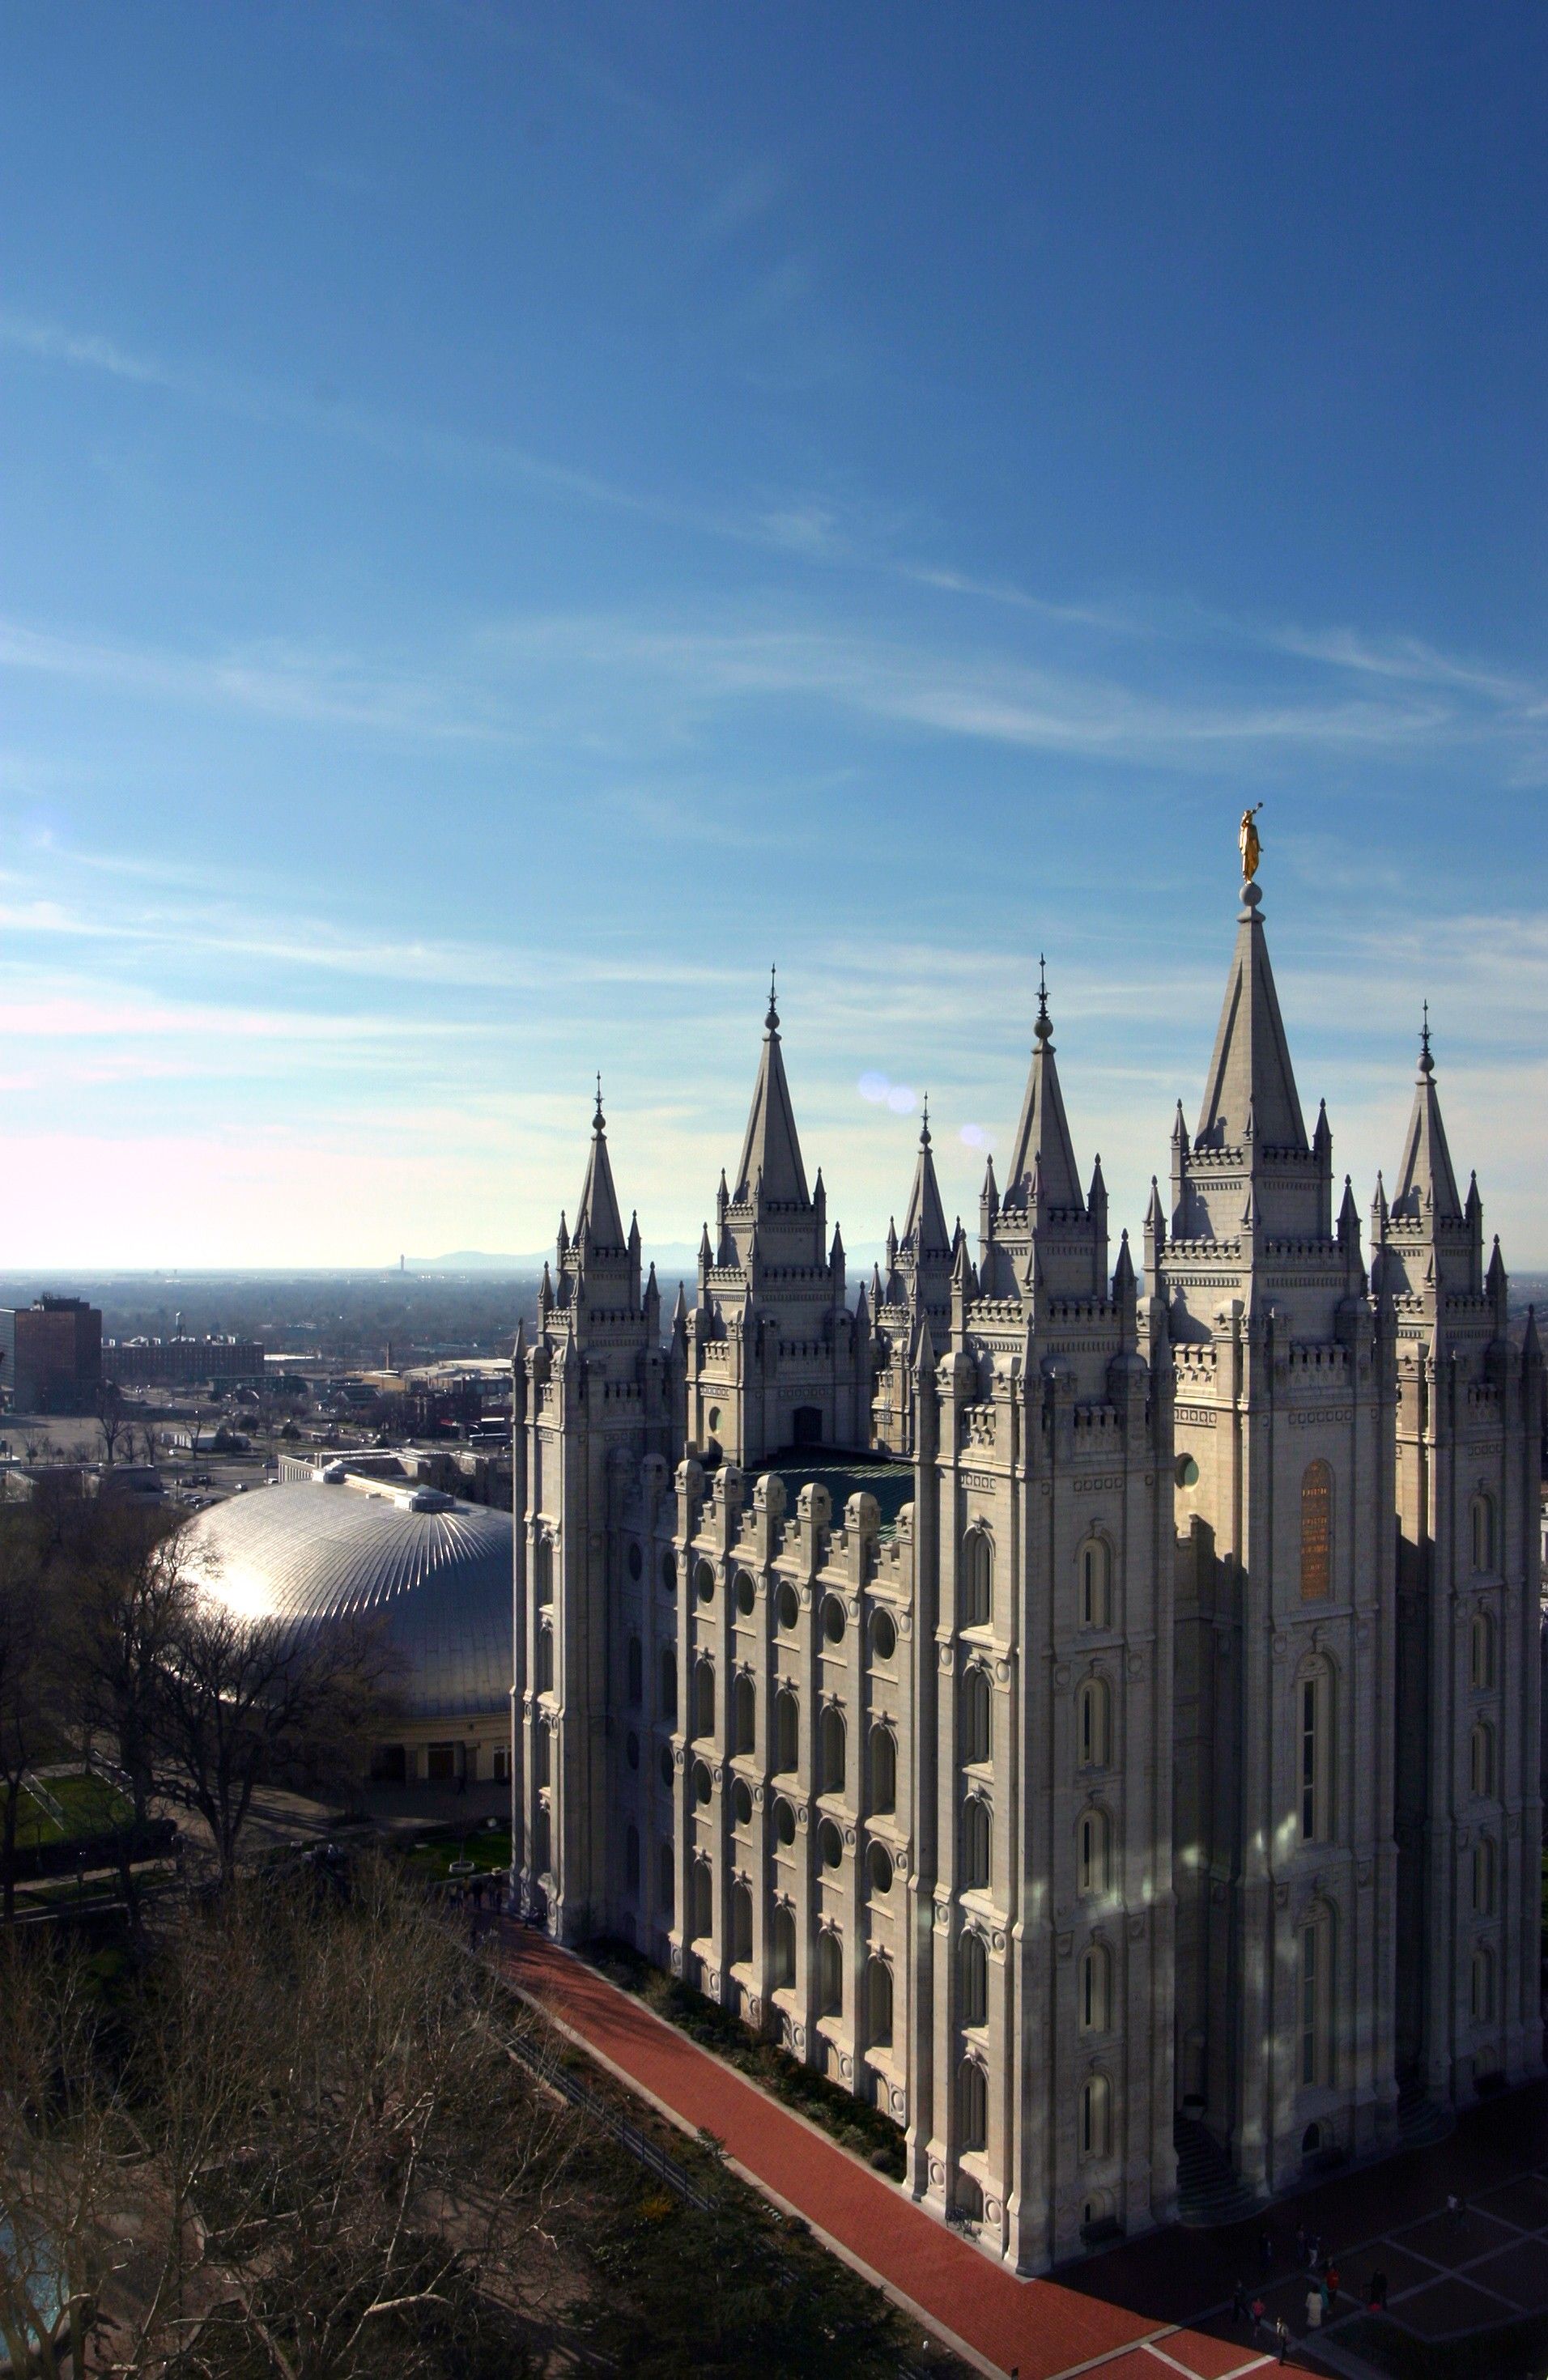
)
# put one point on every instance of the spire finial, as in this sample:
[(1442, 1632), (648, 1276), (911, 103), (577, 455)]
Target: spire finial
[(924, 1122), (597, 1123), (1044, 1026), (771, 1021), (1426, 1062)]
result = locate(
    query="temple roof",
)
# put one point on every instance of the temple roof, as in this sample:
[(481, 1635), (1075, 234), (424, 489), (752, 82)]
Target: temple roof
[(1250, 1092)]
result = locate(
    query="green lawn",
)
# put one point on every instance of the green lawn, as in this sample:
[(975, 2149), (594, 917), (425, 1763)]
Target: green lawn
[(432, 1852), (92, 1807)]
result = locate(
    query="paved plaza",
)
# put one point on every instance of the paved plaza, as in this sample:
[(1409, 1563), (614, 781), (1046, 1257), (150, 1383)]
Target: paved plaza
[(1159, 2304)]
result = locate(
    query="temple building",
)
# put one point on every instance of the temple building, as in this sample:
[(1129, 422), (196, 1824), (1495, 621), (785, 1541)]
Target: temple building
[(1093, 1716)]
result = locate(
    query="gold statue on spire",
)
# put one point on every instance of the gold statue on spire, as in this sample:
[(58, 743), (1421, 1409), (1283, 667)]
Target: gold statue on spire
[(1248, 844)]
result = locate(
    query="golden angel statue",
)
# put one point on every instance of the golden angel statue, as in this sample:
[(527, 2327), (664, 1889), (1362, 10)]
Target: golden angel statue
[(1248, 844)]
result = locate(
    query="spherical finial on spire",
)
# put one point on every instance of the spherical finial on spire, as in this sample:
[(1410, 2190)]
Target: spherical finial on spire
[(597, 1123), (924, 1122), (1044, 1026), (1426, 1062), (771, 1021)]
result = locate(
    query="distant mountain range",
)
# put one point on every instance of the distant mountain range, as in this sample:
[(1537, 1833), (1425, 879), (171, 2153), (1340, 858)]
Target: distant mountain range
[(674, 1261)]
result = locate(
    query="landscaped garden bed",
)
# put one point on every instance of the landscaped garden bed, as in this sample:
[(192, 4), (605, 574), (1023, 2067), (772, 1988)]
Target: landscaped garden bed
[(864, 2130)]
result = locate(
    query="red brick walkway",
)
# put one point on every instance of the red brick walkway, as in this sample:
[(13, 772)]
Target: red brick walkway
[(1039, 2329)]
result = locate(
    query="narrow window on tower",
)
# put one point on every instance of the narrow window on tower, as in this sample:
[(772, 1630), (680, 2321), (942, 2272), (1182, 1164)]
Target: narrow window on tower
[(1316, 1532)]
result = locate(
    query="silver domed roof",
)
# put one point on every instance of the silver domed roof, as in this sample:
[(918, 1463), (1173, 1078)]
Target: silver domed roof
[(320, 1550)]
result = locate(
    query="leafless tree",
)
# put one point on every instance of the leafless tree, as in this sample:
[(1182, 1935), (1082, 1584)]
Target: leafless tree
[(243, 1702), (112, 1420), (30, 1714)]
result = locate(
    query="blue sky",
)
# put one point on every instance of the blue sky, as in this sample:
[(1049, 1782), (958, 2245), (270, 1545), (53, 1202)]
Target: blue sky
[(513, 518)]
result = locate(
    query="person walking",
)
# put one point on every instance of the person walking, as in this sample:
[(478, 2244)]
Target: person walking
[(1315, 2309), (1238, 2303), (1265, 2251), (1259, 2317), (1332, 2280), (1300, 2243), (1282, 2334), (1326, 2296)]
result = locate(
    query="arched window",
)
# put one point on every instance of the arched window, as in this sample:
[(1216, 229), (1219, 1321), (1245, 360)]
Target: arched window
[(542, 1751), (1316, 1999), (544, 1663), (831, 1751), (787, 1606), (1485, 1875), (542, 1571), (636, 1672), (703, 1698), (782, 1948), (1483, 1984), (669, 1684), (972, 2105), (1484, 1760), (1095, 1989), (1316, 1530), (829, 1973), (703, 1899), (667, 1877), (1315, 1721), (542, 1849), (1093, 1730), (1484, 1533), (1096, 1578), (1095, 2121), (832, 1619), (975, 1714), (788, 1731), (972, 1971), (1482, 1652), (785, 1822), (741, 1922), (978, 1579), (631, 1862), (745, 1714), (883, 1770), (976, 1843), (1092, 1853), (878, 2002)]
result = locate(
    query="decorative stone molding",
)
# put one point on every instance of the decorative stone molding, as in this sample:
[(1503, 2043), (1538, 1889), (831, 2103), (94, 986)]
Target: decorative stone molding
[(1060, 1674), (1002, 1673), (1063, 1944)]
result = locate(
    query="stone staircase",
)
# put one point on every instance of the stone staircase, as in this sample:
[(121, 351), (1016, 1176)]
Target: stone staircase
[(1209, 2190), (1419, 2120)]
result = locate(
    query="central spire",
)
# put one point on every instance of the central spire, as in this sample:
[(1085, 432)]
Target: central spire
[(1250, 1094), (771, 1150), (598, 1211), (925, 1223), (1426, 1184), (1041, 1147)]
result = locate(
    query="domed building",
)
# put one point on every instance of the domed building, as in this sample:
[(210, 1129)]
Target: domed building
[(335, 1548)]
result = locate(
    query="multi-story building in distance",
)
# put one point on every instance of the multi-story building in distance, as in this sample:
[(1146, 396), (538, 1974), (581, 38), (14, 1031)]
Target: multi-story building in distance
[(1089, 1724), (51, 1355), (180, 1362)]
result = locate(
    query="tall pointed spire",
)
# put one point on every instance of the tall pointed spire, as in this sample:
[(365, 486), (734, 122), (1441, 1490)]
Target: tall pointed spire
[(598, 1211), (1251, 1076), (1426, 1184), (772, 1149), (1042, 1147), (925, 1223)]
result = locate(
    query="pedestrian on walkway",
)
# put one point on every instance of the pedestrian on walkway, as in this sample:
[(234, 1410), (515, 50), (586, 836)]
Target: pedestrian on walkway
[(1315, 2309), (1259, 2317), (1325, 2294), (1453, 2209), (1332, 2280), (1300, 2243), (1282, 2333), (1238, 2303), (1265, 2251)]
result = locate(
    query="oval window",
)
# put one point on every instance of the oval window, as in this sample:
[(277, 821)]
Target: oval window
[(741, 1801), (633, 1750), (704, 1580), (635, 1561), (747, 1594), (713, 1416), (702, 1783), (789, 1606), (833, 1621), (669, 1572), (785, 1822), (830, 1843), (1187, 1470), (884, 1636), (666, 1766), (880, 1864)]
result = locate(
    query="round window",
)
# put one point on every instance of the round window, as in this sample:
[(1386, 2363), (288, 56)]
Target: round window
[(880, 1865), (747, 1594), (830, 1843), (635, 1561), (666, 1766), (741, 1801), (669, 1572), (785, 1822), (884, 1636), (1187, 1470), (701, 1785), (789, 1606), (633, 1749), (833, 1621), (704, 1580)]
